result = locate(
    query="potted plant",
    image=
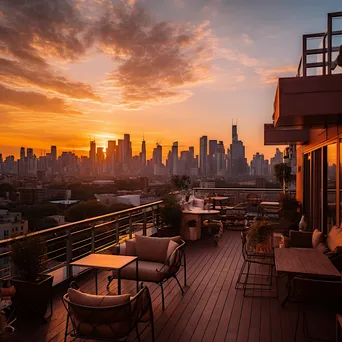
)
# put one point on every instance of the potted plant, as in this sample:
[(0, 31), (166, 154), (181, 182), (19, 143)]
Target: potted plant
[(171, 214), (289, 210), (181, 183), (33, 288), (259, 236)]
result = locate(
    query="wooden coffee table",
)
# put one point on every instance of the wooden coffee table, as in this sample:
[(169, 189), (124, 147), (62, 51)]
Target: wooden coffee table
[(303, 262), (108, 262)]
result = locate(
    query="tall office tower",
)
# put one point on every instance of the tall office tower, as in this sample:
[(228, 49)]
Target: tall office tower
[(29, 153), (277, 159), (1, 160), (127, 152), (120, 157), (220, 162), (22, 153), (234, 133), (157, 157), (175, 158), (110, 156), (100, 157), (92, 153), (203, 155), (211, 161), (169, 162), (238, 161), (258, 165), (143, 153), (54, 153)]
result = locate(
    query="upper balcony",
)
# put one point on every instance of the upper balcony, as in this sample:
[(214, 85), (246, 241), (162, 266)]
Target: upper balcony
[(312, 97)]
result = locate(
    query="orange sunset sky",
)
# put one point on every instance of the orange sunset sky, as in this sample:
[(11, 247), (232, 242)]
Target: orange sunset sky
[(169, 69)]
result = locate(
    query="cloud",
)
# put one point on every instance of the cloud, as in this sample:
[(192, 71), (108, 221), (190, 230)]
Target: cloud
[(247, 39), (35, 102), (22, 75), (38, 29), (155, 59), (272, 75), (237, 56)]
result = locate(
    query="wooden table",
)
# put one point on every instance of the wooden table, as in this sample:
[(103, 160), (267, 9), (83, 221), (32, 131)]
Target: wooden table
[(218, 199), (194, 214), (304, 262), (108, 262)]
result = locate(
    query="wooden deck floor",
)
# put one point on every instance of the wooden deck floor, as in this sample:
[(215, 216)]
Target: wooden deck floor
[(210, 310)]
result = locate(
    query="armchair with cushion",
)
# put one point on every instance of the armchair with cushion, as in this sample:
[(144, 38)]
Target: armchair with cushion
[(330, 244), (108, 318), (159, 260)]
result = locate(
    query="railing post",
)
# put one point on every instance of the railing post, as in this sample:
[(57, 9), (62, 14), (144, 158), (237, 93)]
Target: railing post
[(144, 223), (93, 239), (153, 218), (130, 227), (68, 253), (117, 230), (304, 48), (329, 45)]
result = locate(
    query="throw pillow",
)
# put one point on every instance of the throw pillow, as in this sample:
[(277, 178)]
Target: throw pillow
[(130, 247), (151, 248), (170, 249), (86, 299), (322, 247), (334, 238), (317, 237)]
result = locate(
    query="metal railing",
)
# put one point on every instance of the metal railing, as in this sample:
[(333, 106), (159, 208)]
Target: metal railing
[(239, 195), (71, 241), (324, 53)]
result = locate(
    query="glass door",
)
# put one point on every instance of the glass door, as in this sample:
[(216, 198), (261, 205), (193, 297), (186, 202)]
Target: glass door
[(317, 190)]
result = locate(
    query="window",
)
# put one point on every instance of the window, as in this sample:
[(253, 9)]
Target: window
[(6, 234), (331, 185)]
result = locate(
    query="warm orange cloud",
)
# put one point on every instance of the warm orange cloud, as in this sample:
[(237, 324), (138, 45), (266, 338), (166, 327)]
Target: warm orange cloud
[(22, 75), (35, 102), (155, 58), (272, 75)]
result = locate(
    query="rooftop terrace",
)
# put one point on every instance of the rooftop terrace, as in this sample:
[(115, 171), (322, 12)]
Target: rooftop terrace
[(210, 310)]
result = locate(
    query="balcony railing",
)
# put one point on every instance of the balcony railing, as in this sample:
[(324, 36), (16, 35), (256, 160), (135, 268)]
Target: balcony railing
[(239, 195), (319, 59), (71, 241)]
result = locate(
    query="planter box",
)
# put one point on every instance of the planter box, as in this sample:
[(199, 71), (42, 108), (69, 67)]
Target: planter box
[(32, 298)]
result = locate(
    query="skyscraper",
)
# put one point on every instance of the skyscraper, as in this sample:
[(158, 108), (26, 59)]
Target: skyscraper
[(211, 162), (92, 153), (203, 155), (238, 161), (175, 158), (29, 153), (54, 153), (110, 156), (127, 150), (22, 153), (143, 153), (157, 157)]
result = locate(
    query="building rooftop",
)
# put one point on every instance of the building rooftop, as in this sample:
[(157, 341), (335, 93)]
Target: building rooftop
[(210, 310)]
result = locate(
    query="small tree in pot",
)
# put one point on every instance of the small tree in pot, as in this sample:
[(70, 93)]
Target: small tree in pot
[(34, 289), (181, 183), (171, 214), (259, 236)]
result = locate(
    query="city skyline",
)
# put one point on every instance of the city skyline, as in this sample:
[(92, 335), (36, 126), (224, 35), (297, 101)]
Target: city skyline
[(79, 79), (117, 159)]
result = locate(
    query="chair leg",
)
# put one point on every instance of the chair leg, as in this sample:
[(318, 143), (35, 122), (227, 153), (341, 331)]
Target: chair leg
[(296, 328), (184, 268), (162, 293), (137, 332), (179, 284), (66, 328), (246, 280), (240, 275), (110, 279)]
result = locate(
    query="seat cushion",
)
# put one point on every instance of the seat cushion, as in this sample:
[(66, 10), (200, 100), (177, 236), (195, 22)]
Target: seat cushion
[(86, 299), (147, 271), (130, 247), (334, 238), (317, 238), (151, 248), (170, 249)]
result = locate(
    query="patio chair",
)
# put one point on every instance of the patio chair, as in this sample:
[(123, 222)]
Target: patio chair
[(106, 318), (159, 260), (322, 294), (254, 258)]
